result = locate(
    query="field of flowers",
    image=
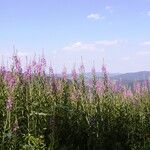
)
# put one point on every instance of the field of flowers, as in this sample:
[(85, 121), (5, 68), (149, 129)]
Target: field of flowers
[(40, 110)]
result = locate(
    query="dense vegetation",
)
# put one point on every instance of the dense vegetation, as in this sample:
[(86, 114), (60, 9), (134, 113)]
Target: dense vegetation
[(40, 111)]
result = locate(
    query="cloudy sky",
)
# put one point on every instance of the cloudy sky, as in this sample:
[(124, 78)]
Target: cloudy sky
[(116, 30)]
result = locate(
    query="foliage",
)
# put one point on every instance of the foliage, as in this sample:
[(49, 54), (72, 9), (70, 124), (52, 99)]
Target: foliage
[(40, 111)]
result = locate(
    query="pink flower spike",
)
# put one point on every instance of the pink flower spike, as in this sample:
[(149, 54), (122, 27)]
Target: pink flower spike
[(74, 74), (28, 72), (137, 88), (104, 70), (17, 63), (82, 68), (9, 104), (10, 79), (93, 70), (34, 62), (15, 126), (64, 73), (43, 61), (51, 71), (128, 93)]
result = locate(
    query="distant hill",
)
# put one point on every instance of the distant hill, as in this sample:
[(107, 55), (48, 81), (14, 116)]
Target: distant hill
[(89, 75), (132, 76), (127, 78), (124, 78), (99, 74), (135, 76)]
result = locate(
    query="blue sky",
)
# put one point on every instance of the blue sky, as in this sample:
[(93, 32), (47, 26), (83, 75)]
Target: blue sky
[(65, 30)]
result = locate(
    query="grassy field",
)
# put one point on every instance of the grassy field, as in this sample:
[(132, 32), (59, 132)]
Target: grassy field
[(42, 111)]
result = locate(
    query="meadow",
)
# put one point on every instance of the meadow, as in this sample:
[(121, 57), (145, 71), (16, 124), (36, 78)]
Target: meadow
[(40, 110)]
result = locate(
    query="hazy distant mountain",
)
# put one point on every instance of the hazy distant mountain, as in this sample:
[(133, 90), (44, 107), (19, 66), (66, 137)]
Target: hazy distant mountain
[(99, 74), (88, 75), (129, 77), (125, 78), (135, 76)]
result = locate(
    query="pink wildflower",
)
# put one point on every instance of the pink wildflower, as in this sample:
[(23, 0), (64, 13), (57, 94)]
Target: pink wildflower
[(43, 61), (39, 68), (52, 81), (51, 71), (93, 71), (74, 74), (99, 87), (127, 93), (105, 79), (64, 73), (34, 63), (9, 104), (15, 126), (82, 68), (10, 79), (137, 88), (28, 72), (2, 70), (118, 87), (17, 63), (146, 86), (104, 69)]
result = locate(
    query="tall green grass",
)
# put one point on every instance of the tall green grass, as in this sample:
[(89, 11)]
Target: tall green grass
[(53, 113)]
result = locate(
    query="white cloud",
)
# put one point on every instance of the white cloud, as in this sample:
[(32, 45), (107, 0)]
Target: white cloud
[(148, 13), (91, 46), (109, 8), (137, 55), (20, 54), (78, 46), (107, 42), (95, 16), (145, 43), (126, 58), (143, 53)]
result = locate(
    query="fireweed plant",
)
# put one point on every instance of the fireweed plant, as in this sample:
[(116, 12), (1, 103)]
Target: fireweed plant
[(40, 110)]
